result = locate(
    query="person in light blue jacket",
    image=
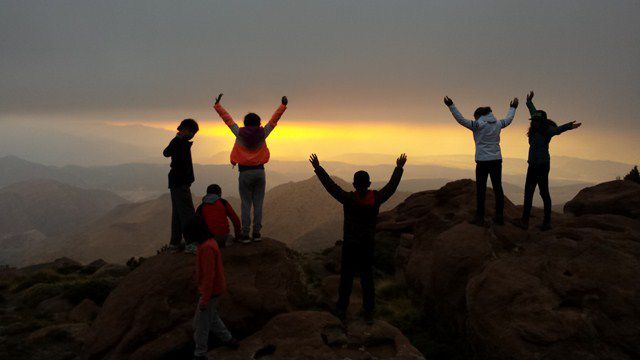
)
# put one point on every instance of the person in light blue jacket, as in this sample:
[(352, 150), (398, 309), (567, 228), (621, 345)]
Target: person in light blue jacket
[(486, 134)]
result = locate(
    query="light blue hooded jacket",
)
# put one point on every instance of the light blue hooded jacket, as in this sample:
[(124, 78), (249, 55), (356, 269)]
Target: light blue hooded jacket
[(486, 132)]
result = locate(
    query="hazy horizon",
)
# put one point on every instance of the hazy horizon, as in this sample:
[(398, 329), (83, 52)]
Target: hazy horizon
[(361, 77)]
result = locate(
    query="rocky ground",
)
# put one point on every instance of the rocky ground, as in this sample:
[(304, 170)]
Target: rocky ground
[(445, 290)]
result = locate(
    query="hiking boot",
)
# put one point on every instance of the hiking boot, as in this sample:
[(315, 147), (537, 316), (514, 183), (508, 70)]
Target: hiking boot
[(545, 227), (498, 220), (190, 248), (233, 344), (524, 225), (368, 318), (256, 237), (478, 221), (245, 239)]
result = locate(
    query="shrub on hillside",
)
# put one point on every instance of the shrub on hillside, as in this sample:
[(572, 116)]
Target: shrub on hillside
[(41, 277), (633, 175)]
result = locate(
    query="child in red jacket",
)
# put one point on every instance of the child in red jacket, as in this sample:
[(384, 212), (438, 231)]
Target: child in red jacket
[(211, 285), (215, 210), (250, 153)]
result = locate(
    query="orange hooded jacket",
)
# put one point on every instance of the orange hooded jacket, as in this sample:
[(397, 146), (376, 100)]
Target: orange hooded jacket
[(250, 148)]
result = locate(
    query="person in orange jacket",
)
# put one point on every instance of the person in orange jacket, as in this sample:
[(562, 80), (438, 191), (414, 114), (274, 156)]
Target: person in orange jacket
[(215, 210), (211, 285), (250, 153)]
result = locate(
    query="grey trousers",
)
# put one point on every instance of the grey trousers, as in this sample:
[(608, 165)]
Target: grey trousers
[(205, 322), (252, 185), (182, 210)]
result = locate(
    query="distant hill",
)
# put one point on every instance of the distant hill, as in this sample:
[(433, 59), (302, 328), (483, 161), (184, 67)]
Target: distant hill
[(132, 229), (303, 215), (36, 210), (50, 206)]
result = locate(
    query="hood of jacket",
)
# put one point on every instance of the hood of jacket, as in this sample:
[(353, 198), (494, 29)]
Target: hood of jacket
[(210, 198), (490, 118), (252, 136)]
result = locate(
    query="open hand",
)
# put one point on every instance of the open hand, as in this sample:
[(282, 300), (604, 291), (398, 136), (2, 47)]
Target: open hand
[(285, 101), (401, 160), (218, 99), (448, 101), (514, 103), (575, 125), (313, 159), (530, 95)]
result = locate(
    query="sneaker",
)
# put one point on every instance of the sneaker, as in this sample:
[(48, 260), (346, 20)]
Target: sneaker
[(174, 248), (233, 344), (478, 221), (190, 248), (256, 237), (245, 239), (368, 318)]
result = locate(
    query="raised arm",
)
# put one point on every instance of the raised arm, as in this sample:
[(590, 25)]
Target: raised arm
[(332, 188), (224, 115), (510, 114), (530, 106), (457, 115), (388, 190), (276, 116), (562, 128)]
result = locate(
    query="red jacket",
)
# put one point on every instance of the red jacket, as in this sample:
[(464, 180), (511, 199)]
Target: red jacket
[(250, 152), (215, 214), (209, 271)]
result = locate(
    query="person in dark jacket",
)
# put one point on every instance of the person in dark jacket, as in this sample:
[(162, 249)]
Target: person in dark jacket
[(541, 130), (216, 211), (361, 208), (180, 180)]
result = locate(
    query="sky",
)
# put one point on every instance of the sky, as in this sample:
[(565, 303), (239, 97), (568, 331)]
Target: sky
[(361, 76)]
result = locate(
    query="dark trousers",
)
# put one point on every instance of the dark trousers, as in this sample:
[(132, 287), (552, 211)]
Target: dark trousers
[(182, 211), (493, 169), (537, 175), (356, 260)]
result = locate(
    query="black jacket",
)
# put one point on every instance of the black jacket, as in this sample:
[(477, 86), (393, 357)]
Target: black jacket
[(181, 173), (360, 210)]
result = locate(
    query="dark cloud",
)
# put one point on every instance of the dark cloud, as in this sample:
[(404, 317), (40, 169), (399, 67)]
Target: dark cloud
[(373, 58)]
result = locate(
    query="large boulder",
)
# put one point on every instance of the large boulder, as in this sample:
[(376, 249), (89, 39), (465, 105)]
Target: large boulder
[(572, 291), (312, 335), (621, 197), (148, 316)]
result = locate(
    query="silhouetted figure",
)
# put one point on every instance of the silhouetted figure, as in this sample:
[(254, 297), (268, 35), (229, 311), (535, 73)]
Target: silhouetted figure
[(541, 130), (215, 210), (486, 134), (361, 208), (250, 153), (211, 285), (180, 180)]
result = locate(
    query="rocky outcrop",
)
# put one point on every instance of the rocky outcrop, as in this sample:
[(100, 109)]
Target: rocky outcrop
[(566, 293), (148, 316), (313, 335), (620, 197)]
